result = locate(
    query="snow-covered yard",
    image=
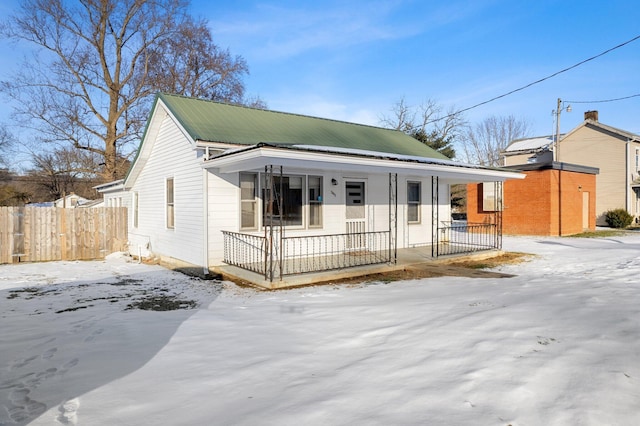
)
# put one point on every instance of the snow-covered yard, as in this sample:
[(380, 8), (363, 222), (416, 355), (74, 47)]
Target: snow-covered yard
[(557, 345)]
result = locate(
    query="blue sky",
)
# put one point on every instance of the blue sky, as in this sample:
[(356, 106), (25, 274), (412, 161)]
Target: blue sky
[(353, 60)]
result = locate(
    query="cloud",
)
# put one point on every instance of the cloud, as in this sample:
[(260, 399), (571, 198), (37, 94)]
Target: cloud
[(278, 32)]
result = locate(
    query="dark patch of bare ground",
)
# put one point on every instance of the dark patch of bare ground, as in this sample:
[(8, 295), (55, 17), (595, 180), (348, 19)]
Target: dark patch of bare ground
[(470, 268)]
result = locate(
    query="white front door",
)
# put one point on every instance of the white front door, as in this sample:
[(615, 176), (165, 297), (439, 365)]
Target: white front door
[(356, 213)]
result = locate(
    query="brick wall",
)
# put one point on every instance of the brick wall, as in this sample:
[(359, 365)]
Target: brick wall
[(531, 205)]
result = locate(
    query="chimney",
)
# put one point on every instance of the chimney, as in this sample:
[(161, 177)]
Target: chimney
[(591, 115)]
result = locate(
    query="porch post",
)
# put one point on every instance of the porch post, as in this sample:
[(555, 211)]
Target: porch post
[(434, 215), (393, 217), (268, 225)]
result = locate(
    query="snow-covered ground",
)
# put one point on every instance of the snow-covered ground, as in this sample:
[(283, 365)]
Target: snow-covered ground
[(559, 344)]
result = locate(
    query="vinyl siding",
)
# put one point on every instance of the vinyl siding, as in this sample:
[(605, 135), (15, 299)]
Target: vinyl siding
[(589, 147), (224, 208), (171, 157)]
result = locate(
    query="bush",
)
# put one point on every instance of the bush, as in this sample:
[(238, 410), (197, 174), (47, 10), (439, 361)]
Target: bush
[(618, 218)]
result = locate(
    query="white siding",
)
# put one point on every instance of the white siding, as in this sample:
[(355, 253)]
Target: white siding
[(223, 212), (224, 208), (172, 156)]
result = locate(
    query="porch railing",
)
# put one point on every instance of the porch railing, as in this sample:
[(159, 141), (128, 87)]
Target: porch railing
[(336, 251), (304, 254), (462, 237), (245, 251)]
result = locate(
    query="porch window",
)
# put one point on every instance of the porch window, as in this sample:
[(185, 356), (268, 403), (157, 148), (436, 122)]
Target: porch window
[(170, 204), (248, 201), (315, 201), (491, 197), (413, 202), (286, 204)]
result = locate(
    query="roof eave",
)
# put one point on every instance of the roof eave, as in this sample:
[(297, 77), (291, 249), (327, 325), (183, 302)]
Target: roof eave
[(255, 158)]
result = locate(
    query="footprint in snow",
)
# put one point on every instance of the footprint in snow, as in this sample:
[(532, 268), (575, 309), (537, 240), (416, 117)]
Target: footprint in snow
[(69, 365), (49, 353), (69, 412), (19, 363), (93, 335)]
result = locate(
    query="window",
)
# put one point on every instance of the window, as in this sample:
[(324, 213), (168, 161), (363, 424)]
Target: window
[(248, 202), (315, 201), (170, 205), (492, 196), (286, 203), (135, 209), (413, 202)]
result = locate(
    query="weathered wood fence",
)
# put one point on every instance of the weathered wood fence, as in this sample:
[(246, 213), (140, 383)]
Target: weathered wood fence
[(38, 234)]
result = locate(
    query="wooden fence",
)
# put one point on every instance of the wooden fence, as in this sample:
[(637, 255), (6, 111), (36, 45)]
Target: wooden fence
[(38, 234)]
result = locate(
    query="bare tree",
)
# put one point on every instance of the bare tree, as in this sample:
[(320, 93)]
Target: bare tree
[(6, 141), (191, 64), (98, 61), (61, 172), (428, 124), (483, 143)]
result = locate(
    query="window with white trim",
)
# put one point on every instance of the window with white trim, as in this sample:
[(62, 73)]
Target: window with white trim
[(315, 201), (170, 213), (248, 200), (491, 197), (286, 203), (414, 200)]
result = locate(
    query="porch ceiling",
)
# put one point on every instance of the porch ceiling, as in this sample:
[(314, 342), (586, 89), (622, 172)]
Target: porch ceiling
[(257, 157)]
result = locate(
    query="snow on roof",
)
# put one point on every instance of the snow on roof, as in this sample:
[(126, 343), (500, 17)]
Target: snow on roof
[(530, 144), (358, 152)]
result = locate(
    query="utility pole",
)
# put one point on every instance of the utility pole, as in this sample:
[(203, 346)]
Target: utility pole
[(556, 142)]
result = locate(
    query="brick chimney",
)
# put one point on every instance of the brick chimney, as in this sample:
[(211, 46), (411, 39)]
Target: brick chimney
[(591, 115)]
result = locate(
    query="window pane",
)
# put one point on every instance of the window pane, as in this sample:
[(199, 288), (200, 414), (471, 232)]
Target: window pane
[(287, 201), (491, 196), (248, 215), (170, 208), (412, 213), (315, 201), (170, 190), (170, 220), (315, 214), (315, 188), (135, 209), (247, 186), (413, 192)]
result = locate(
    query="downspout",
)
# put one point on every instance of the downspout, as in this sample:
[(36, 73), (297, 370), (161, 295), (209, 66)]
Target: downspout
[(205, 221)]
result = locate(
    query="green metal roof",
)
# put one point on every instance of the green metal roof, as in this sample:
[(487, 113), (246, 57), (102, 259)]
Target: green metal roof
[(217, 122)]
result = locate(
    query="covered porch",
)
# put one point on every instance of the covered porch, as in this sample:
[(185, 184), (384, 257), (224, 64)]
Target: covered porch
[(278, 256), (407, 259)]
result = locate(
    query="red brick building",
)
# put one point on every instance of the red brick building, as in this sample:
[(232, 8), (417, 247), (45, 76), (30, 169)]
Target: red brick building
[(554, 199)]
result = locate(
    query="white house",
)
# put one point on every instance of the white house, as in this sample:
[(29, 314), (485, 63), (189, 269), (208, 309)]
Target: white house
[(282, 194), (70, 201)]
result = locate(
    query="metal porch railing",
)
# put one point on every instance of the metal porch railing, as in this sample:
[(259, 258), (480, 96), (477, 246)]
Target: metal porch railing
[(305, 254), (463, 237)]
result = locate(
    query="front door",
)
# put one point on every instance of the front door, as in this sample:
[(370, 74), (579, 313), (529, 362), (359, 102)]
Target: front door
[(356, 217), (585, 210)]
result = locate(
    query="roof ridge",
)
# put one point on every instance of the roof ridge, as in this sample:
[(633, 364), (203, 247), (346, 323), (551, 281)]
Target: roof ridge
[(164, 94)]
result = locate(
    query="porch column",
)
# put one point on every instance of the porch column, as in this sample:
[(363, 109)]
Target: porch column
[(393, 217), (434, 215)]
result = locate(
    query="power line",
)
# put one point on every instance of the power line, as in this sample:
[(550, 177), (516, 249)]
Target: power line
[(602, 101), (540, 80)]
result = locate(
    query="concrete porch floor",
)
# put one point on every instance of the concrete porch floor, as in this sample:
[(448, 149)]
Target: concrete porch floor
[(411, 259)]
